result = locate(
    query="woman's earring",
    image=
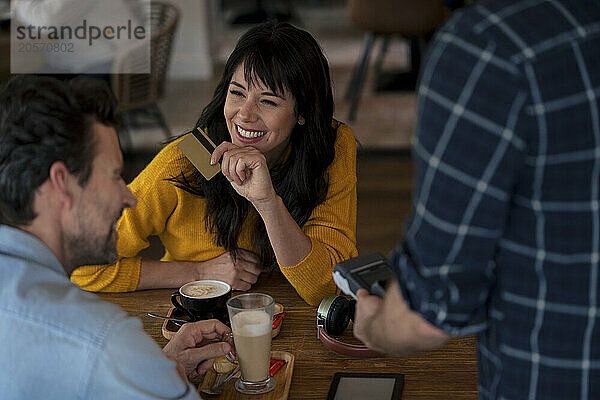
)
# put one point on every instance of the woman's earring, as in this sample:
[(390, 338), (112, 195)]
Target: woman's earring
[(300, 121)]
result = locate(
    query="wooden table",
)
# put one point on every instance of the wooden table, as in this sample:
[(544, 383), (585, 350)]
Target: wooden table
[(446, 373)]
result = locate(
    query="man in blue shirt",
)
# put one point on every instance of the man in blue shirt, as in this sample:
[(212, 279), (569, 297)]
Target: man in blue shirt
[(61, 195), (504, 238)]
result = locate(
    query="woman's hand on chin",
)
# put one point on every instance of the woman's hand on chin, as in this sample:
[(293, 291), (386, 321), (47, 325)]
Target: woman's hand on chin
[(240, 273), (247, 171)]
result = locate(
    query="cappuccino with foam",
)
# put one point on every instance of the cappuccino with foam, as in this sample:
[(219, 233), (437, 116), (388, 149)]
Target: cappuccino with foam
[(203, 299), (205, 289)]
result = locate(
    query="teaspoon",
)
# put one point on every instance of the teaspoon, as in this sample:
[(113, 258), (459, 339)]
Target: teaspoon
[(176, 321)]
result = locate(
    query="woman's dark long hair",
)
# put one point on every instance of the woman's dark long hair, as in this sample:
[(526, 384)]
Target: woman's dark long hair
[(283, 57)]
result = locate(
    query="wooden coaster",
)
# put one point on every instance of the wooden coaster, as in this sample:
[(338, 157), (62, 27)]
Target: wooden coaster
[(283, 377)]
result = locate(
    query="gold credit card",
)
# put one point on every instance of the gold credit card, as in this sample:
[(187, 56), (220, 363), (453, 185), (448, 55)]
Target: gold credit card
[(198, 147)]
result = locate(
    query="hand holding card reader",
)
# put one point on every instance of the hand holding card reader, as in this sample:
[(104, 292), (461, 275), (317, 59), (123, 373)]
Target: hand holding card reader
[(371, 272)]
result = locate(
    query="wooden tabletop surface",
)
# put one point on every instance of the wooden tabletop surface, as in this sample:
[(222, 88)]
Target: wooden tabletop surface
[(446, 373)]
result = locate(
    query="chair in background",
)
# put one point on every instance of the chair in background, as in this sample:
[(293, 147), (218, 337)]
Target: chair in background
[(138, 93), (414, 20)]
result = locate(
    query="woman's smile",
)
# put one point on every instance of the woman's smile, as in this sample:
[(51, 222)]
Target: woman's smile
[(247, 135)]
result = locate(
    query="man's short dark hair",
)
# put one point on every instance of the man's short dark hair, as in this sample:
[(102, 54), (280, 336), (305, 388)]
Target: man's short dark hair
[(42, 121)]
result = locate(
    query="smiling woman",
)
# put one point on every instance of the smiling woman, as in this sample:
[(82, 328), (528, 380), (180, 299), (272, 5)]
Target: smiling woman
[(256, 116), (286, 197)]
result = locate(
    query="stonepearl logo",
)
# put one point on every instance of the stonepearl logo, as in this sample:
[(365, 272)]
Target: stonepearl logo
[(83, 37)]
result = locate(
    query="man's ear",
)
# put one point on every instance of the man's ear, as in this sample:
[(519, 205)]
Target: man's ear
[(61, 182)]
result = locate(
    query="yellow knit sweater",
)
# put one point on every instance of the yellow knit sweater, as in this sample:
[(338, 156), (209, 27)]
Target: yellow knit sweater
[(177, 218)]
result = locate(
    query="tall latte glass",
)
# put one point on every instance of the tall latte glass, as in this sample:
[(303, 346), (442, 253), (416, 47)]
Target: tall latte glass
[(251, 316)]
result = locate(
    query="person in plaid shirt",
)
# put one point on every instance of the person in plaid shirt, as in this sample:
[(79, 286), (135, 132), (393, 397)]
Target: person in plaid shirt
[(504, 237)]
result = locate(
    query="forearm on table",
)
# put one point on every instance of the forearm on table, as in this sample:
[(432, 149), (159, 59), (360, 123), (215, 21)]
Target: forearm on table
[(289, 243), (166, 274), (312, 277), (119, 277)]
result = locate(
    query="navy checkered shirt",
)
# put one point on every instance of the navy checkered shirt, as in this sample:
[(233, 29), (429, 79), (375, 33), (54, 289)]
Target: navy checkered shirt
[(504, 237)]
